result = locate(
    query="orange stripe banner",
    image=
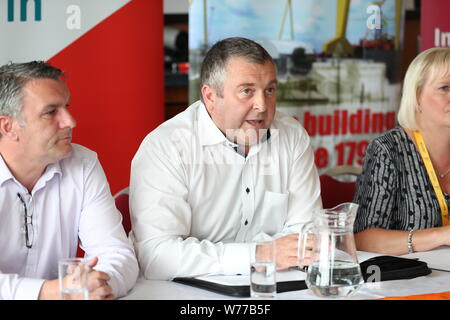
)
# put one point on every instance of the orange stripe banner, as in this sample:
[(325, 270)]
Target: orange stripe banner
[(429, 296)]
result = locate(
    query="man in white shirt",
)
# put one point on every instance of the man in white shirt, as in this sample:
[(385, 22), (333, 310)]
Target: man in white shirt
[(52, 194), (227, 172)]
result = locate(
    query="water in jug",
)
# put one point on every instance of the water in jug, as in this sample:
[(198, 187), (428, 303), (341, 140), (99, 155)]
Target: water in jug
[(334, 270)]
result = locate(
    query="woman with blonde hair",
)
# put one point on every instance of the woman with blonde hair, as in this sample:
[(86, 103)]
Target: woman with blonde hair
[(404, 189)]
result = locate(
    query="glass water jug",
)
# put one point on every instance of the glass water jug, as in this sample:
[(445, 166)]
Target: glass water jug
[(334, 270)]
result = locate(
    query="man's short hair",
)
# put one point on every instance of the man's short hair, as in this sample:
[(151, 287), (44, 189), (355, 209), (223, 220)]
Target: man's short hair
[(429, 65), (214, 64), (14, 77)]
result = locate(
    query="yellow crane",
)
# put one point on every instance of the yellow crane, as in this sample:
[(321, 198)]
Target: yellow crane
[(287, 9), (339, 46), (398, 23)]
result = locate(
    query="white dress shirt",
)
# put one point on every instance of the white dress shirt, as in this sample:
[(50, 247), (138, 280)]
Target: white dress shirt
[(70, 201), (198, 206)]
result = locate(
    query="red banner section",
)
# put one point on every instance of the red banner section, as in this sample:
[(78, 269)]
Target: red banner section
[(115, 75), (344, 122), (435, 24)]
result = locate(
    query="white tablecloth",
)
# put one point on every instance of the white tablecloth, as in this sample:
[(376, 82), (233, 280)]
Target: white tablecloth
[(437, 281)]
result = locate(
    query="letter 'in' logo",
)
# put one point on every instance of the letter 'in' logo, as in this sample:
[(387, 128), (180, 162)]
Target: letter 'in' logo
[(374, 21)]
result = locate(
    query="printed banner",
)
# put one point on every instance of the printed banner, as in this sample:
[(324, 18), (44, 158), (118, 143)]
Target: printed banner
[(434, 24), (112, 52), (338, 63)]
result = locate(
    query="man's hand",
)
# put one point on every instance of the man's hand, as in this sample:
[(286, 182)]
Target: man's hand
[(99, 289), (287, 251), (98, 286)]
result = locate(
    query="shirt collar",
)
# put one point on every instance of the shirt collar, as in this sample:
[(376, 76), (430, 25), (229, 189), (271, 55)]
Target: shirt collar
[(208, 132), (50, 171), (5, 174)]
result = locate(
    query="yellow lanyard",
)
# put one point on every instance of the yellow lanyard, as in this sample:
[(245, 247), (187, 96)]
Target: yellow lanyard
[(432, 175)]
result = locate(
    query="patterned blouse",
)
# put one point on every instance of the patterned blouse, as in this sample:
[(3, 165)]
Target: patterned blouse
[(394, 191)]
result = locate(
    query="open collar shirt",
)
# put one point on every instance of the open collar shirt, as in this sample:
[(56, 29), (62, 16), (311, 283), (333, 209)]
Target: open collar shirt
[(71, 201), (198, 206)]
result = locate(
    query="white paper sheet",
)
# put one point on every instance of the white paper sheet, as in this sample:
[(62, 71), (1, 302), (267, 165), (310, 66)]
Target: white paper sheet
[(438, 258), (244, 280)]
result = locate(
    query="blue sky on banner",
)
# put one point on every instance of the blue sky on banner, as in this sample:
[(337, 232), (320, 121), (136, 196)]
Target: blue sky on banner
[(314, 20)]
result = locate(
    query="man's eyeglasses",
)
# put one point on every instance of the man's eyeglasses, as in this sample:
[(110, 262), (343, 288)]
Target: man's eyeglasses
[(28, 223)]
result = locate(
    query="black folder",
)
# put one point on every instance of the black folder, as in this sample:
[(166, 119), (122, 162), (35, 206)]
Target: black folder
[(391, 267), (238, 290), (394, 268)]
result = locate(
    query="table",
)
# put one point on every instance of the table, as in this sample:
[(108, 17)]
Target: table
[(437, 281)]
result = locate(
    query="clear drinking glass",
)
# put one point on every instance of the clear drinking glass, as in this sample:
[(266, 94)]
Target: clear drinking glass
[(73, 279), (263, 271), (334, 270)]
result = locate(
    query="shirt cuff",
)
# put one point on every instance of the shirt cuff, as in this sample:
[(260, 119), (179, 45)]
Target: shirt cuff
[(236, 258), (28, 289)]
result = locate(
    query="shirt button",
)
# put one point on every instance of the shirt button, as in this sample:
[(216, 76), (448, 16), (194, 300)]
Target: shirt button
[(247, 190), (246, 222)]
